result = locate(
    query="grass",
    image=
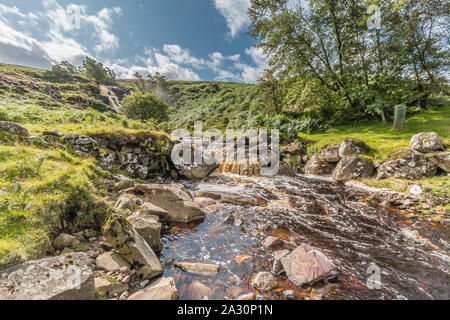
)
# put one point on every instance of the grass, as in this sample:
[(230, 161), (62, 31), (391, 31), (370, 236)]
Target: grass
[(37, 188), (382, 138)]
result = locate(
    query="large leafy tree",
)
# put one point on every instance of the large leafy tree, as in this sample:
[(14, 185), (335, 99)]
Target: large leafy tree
[(371, 69)]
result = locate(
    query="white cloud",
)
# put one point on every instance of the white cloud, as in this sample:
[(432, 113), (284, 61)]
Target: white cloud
[(253, 73), (58, 35), (235, 14)]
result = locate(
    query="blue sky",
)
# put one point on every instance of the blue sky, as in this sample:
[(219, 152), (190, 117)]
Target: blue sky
[(184, 39)]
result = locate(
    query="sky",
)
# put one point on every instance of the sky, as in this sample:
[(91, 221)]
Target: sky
[(183, 39)]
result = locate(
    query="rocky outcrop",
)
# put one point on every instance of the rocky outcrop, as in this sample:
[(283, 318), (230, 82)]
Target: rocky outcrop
[(148, 227), (352, 146), (441, 159), (427, 142), (160, 289), (175, 199), (66, 277), (306, 265), (408, 164), (206, 269), (352, 168), (331, 154), (317, 167), (14, 128), (132, 247)]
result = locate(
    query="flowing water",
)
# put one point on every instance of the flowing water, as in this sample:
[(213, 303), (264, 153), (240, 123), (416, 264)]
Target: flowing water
[(412, 255)]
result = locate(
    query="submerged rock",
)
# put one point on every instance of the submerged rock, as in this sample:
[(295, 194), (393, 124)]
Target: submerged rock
[(264, 281), (206, 269), (66, 277), (132, 247), (427, 142), (352, 168), (14, 128), (198, 291), (306, 265), (160, 289)]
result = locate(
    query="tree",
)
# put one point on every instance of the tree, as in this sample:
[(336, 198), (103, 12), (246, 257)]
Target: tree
[(95, 70), (270, 93), (61, 72), (155, 83), (372, 69), (144, 106)]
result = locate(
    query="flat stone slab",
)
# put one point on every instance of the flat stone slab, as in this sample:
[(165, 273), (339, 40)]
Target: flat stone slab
[(66, 277), (206, 269)]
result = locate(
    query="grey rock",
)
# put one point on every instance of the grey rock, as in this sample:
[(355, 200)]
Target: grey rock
[(442, 160), (66, 277), (14, 128), (331, 154), (65, 241), (160, 289), (277, 266), (148, 227), (407, 164), (317, 167), (352, 146), (206, 269), (352, 168), (175, 200), (111, 261), (427, 142), (132, 247)]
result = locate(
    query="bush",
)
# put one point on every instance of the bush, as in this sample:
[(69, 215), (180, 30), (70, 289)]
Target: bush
[(145, 106)]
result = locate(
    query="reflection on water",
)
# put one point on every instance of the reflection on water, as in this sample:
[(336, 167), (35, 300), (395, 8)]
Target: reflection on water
[(413, 256)]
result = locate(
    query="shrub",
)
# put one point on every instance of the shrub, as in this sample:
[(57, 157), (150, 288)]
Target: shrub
[(144, 106)]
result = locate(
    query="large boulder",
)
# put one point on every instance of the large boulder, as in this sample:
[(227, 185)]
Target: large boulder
[(160, 289), (121, 234), (66, 277), (408, 164), (331, 154), (352, 168), (14, 128), (175, 199), (317, 167), (151, 209), (427, 142), (306, 265), (352, 146), (148, 227), (197, 171), (441, 159)]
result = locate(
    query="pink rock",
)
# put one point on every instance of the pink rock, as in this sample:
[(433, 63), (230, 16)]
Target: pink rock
[(306, 265)]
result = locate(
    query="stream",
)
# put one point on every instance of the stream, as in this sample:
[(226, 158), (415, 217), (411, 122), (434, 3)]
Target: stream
[(412, 255)]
